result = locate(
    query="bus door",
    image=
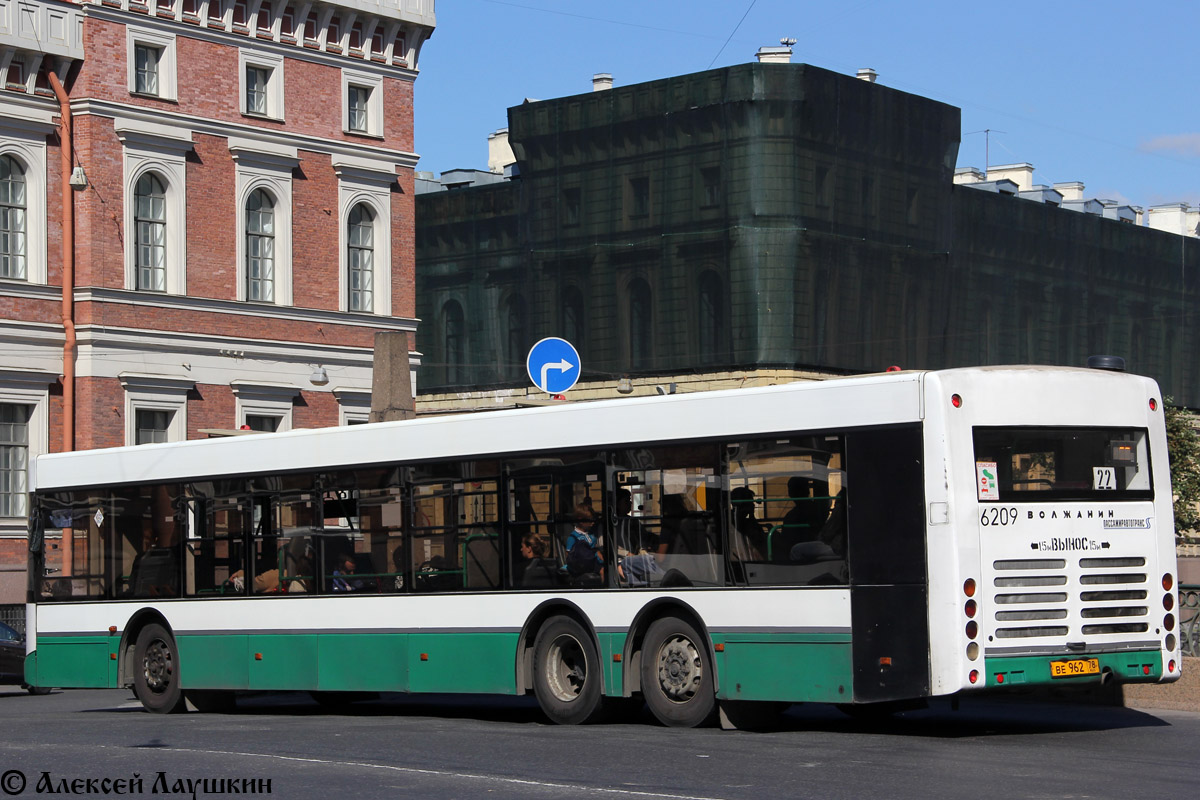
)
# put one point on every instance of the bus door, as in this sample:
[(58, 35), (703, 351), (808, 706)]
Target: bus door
[(888, 578)]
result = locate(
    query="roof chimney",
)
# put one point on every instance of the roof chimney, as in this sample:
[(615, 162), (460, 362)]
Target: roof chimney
[(777, 55), (601, 81), (867, 74)]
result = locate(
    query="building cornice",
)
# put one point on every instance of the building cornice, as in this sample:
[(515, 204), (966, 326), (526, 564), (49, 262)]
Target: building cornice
[(247, 133), (296, 51), (243, 309), (29, 291)]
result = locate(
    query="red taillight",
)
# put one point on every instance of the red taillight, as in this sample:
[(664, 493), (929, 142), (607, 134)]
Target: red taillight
[(1168, 601), (1145, 669), (956, 400), (1000, 677), (1171, 665), (1153, 404), (1168, 582), (969, 587), (972, 629), (1169, 622), (974, 676), (969, 608)]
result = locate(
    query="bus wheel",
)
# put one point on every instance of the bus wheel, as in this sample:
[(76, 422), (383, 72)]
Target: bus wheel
[(677, 679), (566, 672), (156, 671)]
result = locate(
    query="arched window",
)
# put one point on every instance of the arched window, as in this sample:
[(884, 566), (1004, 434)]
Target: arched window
[(12, 219), (572, 317), (453, 341), (514, 341), (360, 257), (260, 247), (711, 318), (640, 323), (150, 221)]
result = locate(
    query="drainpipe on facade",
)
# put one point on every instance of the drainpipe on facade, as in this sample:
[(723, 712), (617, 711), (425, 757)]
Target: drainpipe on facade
[(68, 298)]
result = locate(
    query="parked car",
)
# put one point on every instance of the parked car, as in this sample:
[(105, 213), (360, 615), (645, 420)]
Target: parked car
[(12, 659)]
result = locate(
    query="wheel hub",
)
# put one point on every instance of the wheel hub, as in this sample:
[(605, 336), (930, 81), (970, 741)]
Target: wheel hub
[(679, 669), (157, 667)]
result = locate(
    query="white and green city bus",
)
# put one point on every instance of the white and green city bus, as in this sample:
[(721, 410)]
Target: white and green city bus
[(867, 541)]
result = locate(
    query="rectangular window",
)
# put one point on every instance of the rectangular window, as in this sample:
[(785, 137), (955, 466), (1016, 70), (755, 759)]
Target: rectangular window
[(145, 74), (570, 206), (14, 458), (152, 426), (639, 197), (787, 510), (257, 79), (358, 102), (1038, 464), (262, 422), (710, 178)]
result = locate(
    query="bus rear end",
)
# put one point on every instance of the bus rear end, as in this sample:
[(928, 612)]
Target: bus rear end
[(1063, 530)]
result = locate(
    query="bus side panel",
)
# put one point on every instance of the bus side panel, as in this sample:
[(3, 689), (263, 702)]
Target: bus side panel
[(478, 662), (213, 662), (282, 661), (376, 662), (812, 668), (76, 662), (888, 574)]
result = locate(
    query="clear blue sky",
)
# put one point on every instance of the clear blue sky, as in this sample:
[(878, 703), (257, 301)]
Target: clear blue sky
[(1098, 92)]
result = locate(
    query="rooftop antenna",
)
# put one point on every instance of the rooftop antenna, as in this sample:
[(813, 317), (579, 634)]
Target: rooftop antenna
[(987, 146), (787, 41)]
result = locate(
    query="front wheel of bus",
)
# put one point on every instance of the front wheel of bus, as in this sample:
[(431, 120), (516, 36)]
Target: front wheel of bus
[(156, 671), (677, 679), (566, 672)]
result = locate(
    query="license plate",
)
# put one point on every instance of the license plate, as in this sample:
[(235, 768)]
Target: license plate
[(1076, 666)]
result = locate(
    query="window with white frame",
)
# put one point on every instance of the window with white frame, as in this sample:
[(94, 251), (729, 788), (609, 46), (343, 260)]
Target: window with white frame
[(23, 172), (260, 247), (264, 214), (12, 219), (262, 84), (14, 458), (362, 104), (365, 211), (354, 406), (151, 63), (263, 406), (24, 435), (155, 407), (155, 207)]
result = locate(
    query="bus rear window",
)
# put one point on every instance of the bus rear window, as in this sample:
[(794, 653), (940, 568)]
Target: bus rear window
[(1032, 464)]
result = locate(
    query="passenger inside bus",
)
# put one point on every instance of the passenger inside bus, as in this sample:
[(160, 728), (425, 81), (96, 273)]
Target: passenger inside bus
[(585, 562)]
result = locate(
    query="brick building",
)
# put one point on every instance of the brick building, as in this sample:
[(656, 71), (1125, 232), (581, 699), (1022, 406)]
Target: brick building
[(241, 184)]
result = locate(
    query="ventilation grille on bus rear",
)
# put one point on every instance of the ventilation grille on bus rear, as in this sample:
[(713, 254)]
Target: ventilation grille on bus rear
[(1111, 595), (1032, 593)]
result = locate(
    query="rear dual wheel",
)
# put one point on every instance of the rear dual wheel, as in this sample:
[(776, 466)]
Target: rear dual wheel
[(677, 675)]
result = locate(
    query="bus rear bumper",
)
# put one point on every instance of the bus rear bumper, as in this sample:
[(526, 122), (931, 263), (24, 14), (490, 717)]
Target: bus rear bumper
[(1089, 669)]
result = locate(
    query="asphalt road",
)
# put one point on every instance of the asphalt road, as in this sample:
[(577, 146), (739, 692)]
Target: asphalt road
[(468, 747)]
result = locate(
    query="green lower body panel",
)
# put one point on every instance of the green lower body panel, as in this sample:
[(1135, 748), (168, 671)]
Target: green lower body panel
[(795, 668), (1139, 666), (77, 662), (463, 662)]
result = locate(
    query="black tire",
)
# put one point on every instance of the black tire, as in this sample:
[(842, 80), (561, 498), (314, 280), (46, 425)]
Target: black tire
[(677, 676), (212, 701), (38, 689), (156, 671), (567, 673)]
